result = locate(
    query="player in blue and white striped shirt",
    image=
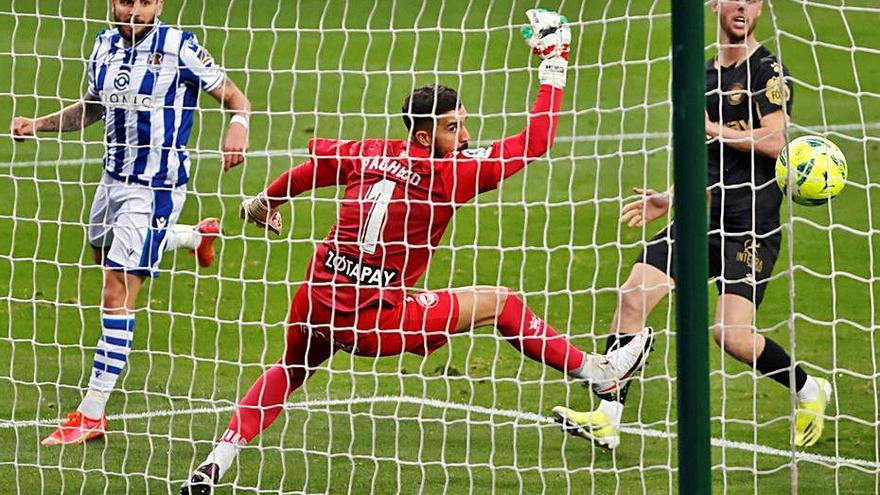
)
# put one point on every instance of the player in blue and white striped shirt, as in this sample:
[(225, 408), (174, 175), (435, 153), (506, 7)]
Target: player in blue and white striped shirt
[(144, 80)]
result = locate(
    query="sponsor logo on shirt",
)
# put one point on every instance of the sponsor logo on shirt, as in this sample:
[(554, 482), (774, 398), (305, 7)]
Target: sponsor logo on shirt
[(478, 153), (362, 273), (736, 94), (749, 256), (740, 125), (121, 80), (127, 100), (391, 167), (536, 324)]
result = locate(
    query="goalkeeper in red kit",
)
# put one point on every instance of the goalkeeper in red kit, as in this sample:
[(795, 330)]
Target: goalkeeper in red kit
[(399, 198)]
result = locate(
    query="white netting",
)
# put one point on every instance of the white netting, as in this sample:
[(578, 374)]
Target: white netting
[(472, 417)]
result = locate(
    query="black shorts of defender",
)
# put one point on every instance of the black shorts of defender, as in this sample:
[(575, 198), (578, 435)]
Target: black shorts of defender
[(740, 263)]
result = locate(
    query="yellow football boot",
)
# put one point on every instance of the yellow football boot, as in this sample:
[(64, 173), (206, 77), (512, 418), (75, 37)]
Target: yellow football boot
[(592, 425), (810, 417)]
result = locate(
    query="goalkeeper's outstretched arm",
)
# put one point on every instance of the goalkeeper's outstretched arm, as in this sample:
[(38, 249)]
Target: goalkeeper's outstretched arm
[(262, 209), (326, 168), (549, 37), (70, 118), (539, 134)]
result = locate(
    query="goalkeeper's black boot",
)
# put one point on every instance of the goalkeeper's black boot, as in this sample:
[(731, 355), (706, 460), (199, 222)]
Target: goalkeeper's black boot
[(202, 481)]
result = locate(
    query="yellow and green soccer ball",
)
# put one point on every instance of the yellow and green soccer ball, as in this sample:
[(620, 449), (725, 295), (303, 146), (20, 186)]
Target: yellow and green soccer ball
[(814, 168)]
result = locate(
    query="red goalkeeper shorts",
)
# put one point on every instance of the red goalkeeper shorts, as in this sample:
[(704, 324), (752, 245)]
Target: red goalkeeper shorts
[(420, 324)]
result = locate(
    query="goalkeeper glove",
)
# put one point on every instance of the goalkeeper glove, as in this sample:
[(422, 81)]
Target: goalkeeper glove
[(259, 211), (549, 37), (547, 34), (552, 71)]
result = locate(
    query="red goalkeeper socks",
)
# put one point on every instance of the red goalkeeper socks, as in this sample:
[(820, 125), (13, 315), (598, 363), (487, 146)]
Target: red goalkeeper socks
[(535, 338), (262, 403)]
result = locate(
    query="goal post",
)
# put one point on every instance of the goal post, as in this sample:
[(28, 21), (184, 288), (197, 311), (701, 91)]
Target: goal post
[(691, 259)]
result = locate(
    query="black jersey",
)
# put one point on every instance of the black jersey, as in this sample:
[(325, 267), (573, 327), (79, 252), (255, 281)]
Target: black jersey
[(742, 184)]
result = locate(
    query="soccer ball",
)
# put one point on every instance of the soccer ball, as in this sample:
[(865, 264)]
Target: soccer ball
[(814, 167)]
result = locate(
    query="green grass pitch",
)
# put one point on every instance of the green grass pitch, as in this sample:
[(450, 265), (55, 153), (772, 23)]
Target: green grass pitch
[(333, 69)]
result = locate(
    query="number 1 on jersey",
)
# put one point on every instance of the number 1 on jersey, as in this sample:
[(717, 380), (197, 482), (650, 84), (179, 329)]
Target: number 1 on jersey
[(380, 194)]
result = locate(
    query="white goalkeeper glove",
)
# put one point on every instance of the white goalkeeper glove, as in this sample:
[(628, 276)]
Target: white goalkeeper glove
[(258, 210), (549, 37), (552, 71)]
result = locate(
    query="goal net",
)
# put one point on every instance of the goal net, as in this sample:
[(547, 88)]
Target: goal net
[(472, 417)]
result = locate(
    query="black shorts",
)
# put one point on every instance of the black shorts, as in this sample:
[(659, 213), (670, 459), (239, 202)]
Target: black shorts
[(741, 263)]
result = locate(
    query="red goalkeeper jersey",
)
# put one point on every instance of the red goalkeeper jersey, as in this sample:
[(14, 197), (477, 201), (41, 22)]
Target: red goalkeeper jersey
[(398, 202)]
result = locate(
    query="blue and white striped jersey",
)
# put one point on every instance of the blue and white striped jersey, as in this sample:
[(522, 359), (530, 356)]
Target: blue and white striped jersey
[(149, 92)]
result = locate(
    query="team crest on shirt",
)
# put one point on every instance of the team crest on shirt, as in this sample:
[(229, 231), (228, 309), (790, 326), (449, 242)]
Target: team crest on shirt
[(156, 62), (427, 299), (777, 91), (736, 94)]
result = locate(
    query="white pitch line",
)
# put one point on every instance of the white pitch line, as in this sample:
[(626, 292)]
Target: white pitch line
[(66, 162), (472, 409), (302, 152), (635, 136)]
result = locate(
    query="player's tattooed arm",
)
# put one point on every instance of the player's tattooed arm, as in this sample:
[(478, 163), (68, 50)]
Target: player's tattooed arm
[(232, 98), (70, 118), (236, 142)]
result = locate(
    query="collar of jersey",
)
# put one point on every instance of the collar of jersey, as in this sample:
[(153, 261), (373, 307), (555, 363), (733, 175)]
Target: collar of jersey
[(740, 61), (413, 150), (150, 33)]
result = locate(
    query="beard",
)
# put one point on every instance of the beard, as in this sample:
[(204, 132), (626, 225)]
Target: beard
[(133, 31), (734, 36), (460, 148)]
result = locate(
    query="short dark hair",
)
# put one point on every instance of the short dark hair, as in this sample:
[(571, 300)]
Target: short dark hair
[(427, 102)]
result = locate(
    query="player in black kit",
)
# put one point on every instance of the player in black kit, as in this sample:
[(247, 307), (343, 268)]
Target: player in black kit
[(748, 103)]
